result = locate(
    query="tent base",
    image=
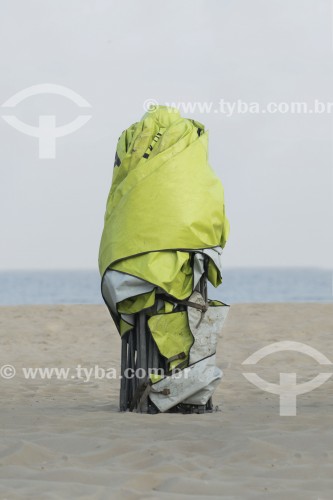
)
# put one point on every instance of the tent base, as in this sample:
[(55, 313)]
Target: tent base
[(184, 408), (139, 354), (152, 409)]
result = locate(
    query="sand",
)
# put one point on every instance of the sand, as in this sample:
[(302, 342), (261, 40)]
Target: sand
[(65, 439)]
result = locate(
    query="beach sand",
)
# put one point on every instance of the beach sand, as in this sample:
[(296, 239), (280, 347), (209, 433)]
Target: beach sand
[(65, 439)]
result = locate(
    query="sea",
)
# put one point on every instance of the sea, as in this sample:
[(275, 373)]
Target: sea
[(240, 285)]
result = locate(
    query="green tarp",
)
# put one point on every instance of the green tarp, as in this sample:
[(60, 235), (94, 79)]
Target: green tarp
[(164, 194), (165, 203)]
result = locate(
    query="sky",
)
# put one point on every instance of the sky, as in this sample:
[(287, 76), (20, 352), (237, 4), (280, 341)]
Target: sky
[(276, 168)]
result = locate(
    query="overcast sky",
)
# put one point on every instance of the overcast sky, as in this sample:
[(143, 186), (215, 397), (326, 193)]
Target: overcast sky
[(276, 168)]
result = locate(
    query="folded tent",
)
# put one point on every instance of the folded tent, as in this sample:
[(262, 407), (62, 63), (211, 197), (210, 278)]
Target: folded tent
[(164, 231)]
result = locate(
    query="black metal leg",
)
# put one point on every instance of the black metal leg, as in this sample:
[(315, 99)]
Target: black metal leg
[(123, 398), (132, 379), (143, 355)]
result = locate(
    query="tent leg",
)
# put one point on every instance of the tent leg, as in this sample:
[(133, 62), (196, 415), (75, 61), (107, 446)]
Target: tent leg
[(129, 380), (143, 347), (132, 378), (123, 390)]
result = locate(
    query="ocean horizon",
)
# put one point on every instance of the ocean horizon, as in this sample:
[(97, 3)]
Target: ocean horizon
[(240, 285)]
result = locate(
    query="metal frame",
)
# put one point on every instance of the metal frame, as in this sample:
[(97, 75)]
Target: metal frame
[(139, 353)]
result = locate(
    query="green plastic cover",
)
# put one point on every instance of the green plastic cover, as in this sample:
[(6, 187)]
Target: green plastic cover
[(164, 204), (164, 195)]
